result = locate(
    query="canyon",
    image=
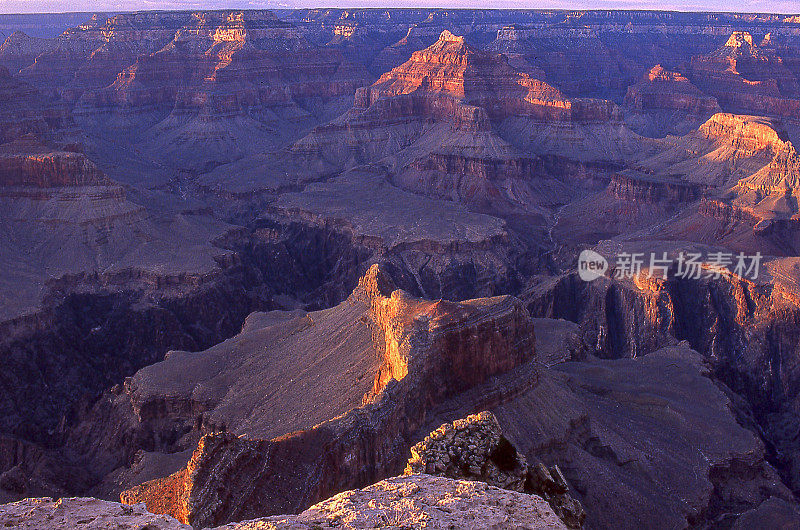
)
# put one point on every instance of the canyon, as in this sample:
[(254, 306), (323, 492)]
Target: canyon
[(254, 261)]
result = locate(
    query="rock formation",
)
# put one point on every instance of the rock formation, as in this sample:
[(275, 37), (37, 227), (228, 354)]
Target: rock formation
[(520, 400), (420, 501), (208, 87), (434, 502), (475, 449), (48, 170), (85, 512), (750, 78), (428, 352), (25, 111), (459, 123), (665, 102), (472, 448)]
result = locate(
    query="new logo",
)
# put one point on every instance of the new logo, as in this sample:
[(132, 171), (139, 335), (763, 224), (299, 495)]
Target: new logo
[(591, 265)]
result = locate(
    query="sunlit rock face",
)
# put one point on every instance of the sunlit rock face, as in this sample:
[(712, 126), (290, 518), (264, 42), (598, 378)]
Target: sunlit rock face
[(422, 353), (450, 68), (49, 170), (435, 502), (749, 77), (666, 102), (458, 123), (208, 87)]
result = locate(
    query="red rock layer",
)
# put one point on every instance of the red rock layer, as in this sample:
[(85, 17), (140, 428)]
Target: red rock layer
[(661, 89), (235, 58), (232, 60), (50, 170), (749, 135), (451, 69), (751, 78), (431, 350), (644, 190)]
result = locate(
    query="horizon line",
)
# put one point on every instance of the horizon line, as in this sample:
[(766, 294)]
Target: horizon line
[(287, 8)]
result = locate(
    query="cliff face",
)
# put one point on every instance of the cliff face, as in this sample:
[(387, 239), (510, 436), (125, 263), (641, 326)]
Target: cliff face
[(451, 68), (768, 167), (430, 352), (665, 102), (468, 127), (573, 422), (50, 170), (641, 190), (752, 78), (25, 111), (748, 135), (742, 328), (209, 87)]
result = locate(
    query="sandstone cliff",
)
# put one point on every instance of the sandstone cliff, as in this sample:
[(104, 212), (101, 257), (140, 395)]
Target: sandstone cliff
[(429, 350), (459, 123), (49, 170), (751, 78), (665, 102)]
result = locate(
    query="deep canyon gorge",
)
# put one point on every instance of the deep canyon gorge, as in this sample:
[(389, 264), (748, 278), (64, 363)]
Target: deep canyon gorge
[(256, 263)]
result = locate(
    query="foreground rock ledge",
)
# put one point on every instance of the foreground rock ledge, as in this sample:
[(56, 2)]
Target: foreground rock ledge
[(474, 448), (411, 501)]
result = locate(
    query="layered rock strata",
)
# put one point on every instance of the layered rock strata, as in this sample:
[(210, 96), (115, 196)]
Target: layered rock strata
[(430, 351), (665, 102), (749, 77)]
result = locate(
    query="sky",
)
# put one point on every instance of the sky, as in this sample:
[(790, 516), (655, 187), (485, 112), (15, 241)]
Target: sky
[(59, 6)]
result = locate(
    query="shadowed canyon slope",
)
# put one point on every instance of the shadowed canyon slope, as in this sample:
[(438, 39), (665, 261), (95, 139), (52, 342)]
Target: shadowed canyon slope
[(251, 258)]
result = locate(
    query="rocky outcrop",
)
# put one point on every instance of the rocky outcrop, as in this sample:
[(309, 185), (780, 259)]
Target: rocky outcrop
[(434, 502), (82, 511), (50, 170), (661, 89), (751, 78), (430, 351), (475, 449), (665, 102), (723, 150), (420, 501), (632, 187), (749, 135), (769, 193), (764, 194), (481, 121), (450, 68)]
